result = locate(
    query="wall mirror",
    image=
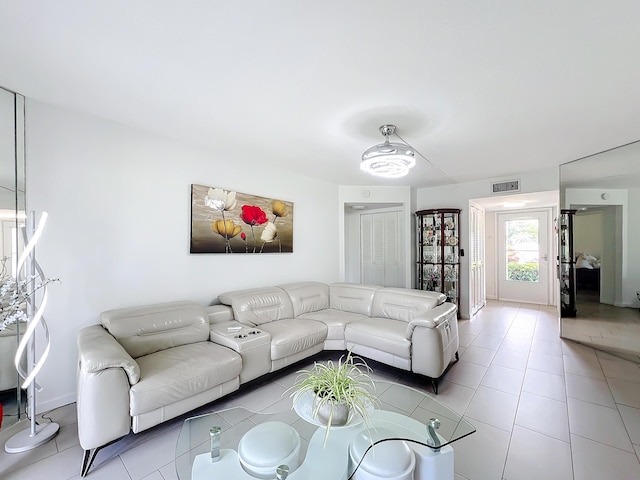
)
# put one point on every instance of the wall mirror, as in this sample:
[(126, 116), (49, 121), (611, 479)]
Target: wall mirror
[(604, 189), (12, 215)]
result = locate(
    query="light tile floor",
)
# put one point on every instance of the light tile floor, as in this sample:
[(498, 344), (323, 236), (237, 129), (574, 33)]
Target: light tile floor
[(544, 408), (604, 326)]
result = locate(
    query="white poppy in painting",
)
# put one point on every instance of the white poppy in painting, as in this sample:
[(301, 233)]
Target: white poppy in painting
[(220, 200), (269, 233)]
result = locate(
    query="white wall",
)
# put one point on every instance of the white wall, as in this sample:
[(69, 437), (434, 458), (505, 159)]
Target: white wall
[(118, 230), (458, 196), (588, 233)]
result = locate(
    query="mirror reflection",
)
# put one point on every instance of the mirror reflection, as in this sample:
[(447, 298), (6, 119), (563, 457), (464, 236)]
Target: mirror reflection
[(12, 214), (604, 189)]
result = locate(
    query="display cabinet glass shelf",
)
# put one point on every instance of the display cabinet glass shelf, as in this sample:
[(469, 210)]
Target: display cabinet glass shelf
[(438, 252), (567, 264)]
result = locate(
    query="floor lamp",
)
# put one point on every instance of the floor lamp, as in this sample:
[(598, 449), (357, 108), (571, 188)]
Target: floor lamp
[(35, 435)]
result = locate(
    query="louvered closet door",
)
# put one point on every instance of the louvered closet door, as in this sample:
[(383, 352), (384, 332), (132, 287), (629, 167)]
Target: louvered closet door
[(382, 261)]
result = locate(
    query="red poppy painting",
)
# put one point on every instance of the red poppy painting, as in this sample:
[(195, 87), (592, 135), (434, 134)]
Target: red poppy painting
[(225, 221)]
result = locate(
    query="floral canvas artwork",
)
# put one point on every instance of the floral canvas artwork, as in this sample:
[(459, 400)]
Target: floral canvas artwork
[(224, 221)]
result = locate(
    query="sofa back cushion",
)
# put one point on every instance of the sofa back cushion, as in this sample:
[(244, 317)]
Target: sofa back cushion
[(256, 306), (219, 314), (147, 329), (352, 297), (307, 297), (403, 303)]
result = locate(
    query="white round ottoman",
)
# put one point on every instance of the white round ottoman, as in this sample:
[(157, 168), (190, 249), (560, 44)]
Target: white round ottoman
[(390, 460), (266, 446)]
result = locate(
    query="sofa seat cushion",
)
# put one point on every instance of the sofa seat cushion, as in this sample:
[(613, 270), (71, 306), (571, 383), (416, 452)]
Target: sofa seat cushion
[(177, 373), (380, 333), (335, 320), (295, 335)]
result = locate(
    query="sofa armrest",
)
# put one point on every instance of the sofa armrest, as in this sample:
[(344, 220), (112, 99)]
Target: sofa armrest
[(432, 318), (105, 374), (98, 350)]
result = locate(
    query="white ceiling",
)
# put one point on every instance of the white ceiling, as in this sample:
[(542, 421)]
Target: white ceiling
[(483, 89)]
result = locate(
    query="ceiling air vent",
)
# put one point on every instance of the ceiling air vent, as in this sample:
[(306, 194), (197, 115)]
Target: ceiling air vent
[(505, 187)]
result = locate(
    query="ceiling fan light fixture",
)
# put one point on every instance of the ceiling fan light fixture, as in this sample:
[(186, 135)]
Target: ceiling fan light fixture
[(388, 159)]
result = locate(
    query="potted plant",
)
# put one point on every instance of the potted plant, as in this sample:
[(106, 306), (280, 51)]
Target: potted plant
[(339, 390)]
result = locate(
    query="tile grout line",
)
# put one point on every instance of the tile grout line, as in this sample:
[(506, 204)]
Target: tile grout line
[(566, 393), (624, 424), (506, 458)]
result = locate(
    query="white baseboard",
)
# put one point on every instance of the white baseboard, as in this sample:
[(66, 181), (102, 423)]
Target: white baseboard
[(51, 404), (626, 305)]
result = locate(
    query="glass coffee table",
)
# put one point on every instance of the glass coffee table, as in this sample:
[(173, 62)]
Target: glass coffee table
[(410, 438)]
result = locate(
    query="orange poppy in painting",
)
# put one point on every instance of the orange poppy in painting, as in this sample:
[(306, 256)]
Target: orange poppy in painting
[(252, 215)]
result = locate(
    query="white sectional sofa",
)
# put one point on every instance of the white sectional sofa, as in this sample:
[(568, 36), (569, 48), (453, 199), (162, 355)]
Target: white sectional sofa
[(145, 365)]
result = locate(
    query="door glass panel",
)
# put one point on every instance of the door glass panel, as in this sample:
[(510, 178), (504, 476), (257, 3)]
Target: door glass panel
[(523, 250)]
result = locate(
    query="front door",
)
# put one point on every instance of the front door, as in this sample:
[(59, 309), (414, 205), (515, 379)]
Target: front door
[(523, 257)]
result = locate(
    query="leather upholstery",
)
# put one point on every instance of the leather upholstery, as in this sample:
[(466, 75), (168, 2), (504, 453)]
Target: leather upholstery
[(435, 317), (435, 348), (177, 373), (307, 296), (380, 356), (252, 343), (335, 320), (352, 297), (382, 334), (400, 304), (289, 337), (148, 364), (150, 419), (147, 329), (258, 305), (219, 314), (98, 350), (102, 406)]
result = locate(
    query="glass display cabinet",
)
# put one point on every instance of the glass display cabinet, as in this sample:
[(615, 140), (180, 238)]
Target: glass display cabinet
[(438, 252), (567, 264)]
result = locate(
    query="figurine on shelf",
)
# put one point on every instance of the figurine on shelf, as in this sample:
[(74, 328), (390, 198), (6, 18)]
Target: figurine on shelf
[(431, 278)]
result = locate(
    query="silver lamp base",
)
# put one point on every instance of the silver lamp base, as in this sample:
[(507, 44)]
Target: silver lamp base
[(23, 440)]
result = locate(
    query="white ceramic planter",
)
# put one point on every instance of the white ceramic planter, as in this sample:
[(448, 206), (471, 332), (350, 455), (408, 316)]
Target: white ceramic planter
[(340, 413)]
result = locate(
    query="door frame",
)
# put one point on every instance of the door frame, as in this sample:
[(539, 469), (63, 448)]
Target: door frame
[(552, 248), (481, 249)]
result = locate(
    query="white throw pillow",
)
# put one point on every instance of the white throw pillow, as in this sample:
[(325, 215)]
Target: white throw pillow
[(583, 263)]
